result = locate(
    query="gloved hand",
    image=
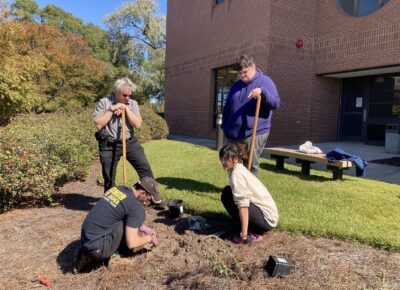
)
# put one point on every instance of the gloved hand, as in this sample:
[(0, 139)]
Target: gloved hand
[(147, 230), (154, 240)]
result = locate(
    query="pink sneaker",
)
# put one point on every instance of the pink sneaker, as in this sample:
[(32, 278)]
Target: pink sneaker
[(256, 238), (251, 238)]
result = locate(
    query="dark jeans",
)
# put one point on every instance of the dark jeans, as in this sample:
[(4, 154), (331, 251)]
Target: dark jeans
[(259, 144), (109, 244), (257, 223), (110, 154)]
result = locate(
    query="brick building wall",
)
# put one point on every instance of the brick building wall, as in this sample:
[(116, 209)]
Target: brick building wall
[(202, 37), (346, 43)]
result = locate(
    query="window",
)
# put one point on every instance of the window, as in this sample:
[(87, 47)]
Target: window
[(224, 78), (385, 98), (217, 2), (360, 7)]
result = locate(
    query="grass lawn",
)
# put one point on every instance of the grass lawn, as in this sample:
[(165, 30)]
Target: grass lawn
[(351, 209)]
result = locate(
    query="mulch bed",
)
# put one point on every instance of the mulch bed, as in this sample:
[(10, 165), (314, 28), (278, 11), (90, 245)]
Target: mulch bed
[(43, 241)]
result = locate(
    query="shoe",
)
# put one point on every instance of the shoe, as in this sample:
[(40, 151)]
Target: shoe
[(256, 238), (82, 259), (251, 238)]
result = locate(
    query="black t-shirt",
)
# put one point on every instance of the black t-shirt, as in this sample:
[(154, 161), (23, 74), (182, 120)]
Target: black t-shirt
[(118, 204)]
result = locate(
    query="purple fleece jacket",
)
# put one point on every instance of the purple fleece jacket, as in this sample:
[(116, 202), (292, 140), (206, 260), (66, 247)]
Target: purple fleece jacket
[(239, 111)]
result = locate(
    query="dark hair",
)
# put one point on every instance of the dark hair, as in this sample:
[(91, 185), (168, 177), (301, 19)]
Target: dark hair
[(243, 62), (233, 151)]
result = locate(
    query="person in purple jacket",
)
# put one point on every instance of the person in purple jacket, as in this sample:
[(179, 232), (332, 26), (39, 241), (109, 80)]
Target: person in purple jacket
[(238, 115)]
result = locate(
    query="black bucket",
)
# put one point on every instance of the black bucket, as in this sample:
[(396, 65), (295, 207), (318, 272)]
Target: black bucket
[(175, 208)]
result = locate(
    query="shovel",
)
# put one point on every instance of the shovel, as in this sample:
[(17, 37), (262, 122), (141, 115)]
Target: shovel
[(124, 148), (253, 137)]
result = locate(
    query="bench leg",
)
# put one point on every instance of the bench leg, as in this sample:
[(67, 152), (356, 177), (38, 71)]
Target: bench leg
[(305, 166), (337, 172), (280, 161)]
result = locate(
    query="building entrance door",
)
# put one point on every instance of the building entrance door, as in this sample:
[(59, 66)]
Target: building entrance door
[(368, 105), (355, 98)]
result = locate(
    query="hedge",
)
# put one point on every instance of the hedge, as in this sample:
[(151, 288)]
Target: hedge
[(39, 153)]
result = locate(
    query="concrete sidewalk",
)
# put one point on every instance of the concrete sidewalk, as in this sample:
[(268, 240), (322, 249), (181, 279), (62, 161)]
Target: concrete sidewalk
[(367, 152)]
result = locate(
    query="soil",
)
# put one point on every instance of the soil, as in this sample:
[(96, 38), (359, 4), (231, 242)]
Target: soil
[(43, 241)]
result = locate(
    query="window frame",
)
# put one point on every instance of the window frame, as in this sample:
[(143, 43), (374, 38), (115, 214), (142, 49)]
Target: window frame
[(219, 105), (356, 7)]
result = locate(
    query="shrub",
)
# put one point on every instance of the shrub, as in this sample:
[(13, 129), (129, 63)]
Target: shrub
[(38, 153), (153, 127)]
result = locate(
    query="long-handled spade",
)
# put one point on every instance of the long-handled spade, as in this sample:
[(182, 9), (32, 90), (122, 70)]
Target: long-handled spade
[(253, 137), (124, 148)]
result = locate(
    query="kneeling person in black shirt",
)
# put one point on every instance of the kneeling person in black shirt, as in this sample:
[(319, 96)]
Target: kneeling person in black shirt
[(116, 222)]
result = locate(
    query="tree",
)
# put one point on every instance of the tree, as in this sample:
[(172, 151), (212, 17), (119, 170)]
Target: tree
[(64, 21), (4, 11), (19, 73), (42, 69), (25, 10), (146, 51), (29, 11), (71, 75)]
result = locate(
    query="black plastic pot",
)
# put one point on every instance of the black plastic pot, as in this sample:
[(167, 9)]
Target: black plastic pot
[(175, 207)]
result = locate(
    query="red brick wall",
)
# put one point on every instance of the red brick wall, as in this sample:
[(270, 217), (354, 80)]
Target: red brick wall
[(202, 37), (351, 43)]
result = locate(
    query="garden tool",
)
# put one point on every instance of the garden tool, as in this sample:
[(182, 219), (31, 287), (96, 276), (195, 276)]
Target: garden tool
[(253, 137), (124, 148), (42, 280)]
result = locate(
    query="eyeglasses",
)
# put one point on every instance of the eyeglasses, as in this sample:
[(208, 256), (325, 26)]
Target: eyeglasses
[(243, 71), (127, 96)]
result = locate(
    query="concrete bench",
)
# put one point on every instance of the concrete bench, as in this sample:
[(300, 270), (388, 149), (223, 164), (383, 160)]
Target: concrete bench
[(280, 154)]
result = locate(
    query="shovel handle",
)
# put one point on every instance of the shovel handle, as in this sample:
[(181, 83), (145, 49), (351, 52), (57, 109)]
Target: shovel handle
[(253, 137), (124, 148)]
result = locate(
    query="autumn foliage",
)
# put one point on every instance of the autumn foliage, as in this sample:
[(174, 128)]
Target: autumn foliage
[(42, 69)]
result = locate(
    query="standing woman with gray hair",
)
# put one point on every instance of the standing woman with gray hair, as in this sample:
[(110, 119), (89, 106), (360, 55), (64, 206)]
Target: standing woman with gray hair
[(107, 118)]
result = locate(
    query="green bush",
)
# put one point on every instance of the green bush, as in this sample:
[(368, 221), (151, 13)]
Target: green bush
[(27, 175), (153, 127), (38, 153)]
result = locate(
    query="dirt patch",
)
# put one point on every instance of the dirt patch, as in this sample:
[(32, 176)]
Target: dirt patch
[(43, 242), (394, 161)]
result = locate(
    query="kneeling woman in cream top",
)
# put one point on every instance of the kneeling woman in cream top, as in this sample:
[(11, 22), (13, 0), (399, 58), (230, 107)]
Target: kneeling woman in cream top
[(247, 200)]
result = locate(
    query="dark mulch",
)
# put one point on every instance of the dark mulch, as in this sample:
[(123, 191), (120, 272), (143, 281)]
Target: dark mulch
[(43, 241), (394, 161)]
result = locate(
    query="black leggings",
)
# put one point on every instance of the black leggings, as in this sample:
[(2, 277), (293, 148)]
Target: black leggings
[(257, 223)]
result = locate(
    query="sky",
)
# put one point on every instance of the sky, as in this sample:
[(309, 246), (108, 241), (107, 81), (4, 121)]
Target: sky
[(93, 10)]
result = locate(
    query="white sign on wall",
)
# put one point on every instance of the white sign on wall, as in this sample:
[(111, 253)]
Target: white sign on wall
[(359, 102)]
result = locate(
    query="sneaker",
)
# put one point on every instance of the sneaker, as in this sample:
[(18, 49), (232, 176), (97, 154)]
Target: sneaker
[(82, 259), (256, 238), (251, 238)]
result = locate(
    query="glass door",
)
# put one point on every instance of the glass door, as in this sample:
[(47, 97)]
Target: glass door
[(384, 107), (354, 113)]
